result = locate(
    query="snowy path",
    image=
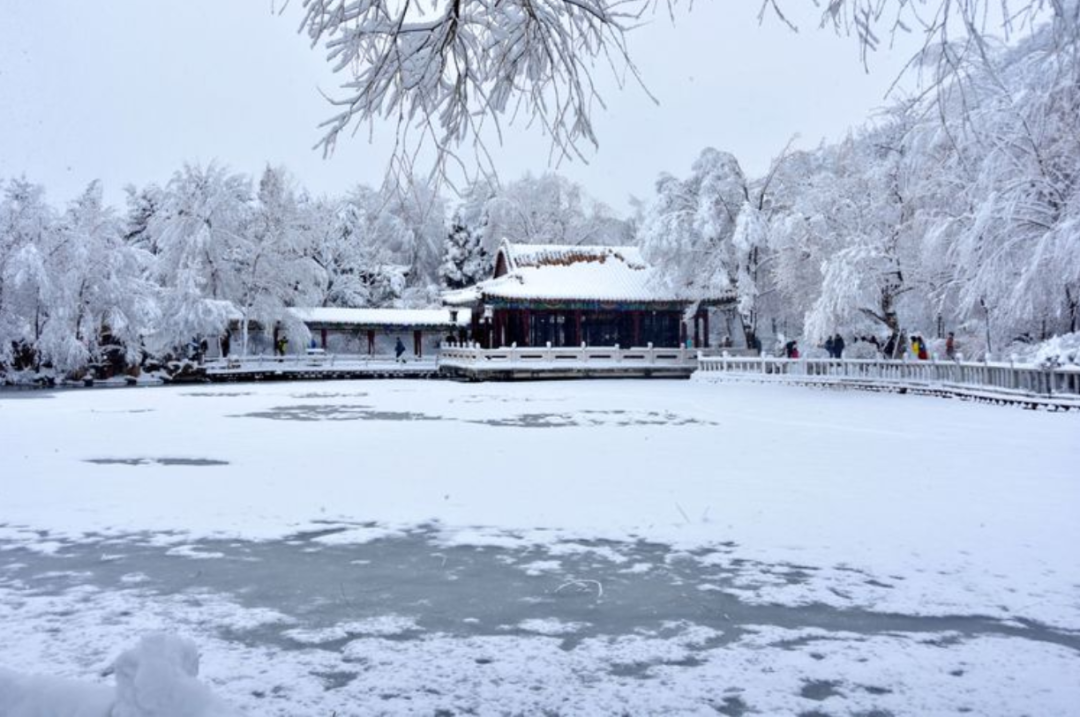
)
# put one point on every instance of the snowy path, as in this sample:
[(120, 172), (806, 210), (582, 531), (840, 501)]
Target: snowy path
[(580, 548)]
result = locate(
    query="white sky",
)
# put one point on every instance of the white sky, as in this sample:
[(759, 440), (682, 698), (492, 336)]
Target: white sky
[(127, 90)]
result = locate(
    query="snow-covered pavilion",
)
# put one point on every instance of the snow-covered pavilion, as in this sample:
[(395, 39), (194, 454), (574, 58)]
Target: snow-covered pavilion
[(574, 295), (376, 331)]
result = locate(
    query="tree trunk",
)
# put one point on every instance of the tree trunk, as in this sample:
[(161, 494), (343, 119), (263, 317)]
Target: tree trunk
[(986, 310), (1073, 302)]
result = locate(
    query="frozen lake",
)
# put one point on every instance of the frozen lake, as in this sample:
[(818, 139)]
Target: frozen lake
[(575, 548)]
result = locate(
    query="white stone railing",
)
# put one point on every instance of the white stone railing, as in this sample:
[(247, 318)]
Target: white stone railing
[(476, 358), (314, 360), (1004, 377)]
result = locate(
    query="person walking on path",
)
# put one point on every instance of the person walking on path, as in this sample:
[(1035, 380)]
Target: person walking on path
[(830, 347), (838, 346), (399, 350), (950, 347)]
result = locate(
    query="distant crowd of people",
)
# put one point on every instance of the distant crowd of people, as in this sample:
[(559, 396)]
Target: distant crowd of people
[(896, 346)]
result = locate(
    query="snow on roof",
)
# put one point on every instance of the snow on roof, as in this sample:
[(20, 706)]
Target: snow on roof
[(331, 316), (570, 273), (538, 255)]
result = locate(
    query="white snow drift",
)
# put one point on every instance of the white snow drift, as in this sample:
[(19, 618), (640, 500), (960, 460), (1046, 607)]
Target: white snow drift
[(156, 678)]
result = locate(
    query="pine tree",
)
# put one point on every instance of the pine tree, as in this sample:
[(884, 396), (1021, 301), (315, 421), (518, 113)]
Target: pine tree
[(466, 261)]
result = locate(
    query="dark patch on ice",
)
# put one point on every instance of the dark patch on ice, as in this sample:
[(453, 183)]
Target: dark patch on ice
[(875, 690), (167, 461), (317, 394), (501, 398), (399, 416), (335, 680), (315, 534), (531, 420), (879, 584), (944, 640), (218, 394), (875, 713), (131, 410), (819, 690), (592, 418), (637, 670), (342, 412), (732, 707)]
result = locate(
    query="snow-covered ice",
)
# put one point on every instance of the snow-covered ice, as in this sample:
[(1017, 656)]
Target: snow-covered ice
[(409, 547)]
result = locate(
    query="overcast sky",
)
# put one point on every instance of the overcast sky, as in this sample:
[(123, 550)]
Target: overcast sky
[(128, 90)]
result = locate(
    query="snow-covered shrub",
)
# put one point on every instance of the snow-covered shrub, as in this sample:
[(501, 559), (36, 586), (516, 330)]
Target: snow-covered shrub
[(1056, 351)]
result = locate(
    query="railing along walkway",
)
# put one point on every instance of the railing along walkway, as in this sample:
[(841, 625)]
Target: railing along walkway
[(1033, 386), (317, 364), (494, 359)]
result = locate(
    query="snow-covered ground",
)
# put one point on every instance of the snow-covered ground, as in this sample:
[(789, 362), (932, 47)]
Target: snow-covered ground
[(648, 547)]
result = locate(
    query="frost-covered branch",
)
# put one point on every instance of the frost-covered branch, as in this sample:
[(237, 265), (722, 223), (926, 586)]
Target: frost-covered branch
[(447, 69)]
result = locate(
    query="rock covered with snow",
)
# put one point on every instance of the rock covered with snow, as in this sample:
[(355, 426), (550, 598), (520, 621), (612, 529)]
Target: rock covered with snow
[(156, 678)]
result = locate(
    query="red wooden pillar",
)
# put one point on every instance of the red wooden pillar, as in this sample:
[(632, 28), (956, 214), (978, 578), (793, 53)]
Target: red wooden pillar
[(697, 331), (371, 342), (682, 334), (705, 321), (526, 327), (496, 339), (418, 343), (637, 328), (578, 338), (475, 323), (322, 335)]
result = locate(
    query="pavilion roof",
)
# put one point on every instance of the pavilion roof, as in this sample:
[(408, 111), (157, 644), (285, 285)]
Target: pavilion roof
[(415, 318), (546, 272)]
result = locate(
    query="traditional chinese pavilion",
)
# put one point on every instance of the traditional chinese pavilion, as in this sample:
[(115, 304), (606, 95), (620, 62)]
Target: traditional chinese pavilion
[(376, 331), (574, 295)]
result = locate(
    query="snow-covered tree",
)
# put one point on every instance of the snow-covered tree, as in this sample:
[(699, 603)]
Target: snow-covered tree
[(142, 205), (548, 209), (27, 230), (335, 248), (101, 304), (870, 209), (274, 269), (200, 232), (465, 262), (707, 237), (415, 237)]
